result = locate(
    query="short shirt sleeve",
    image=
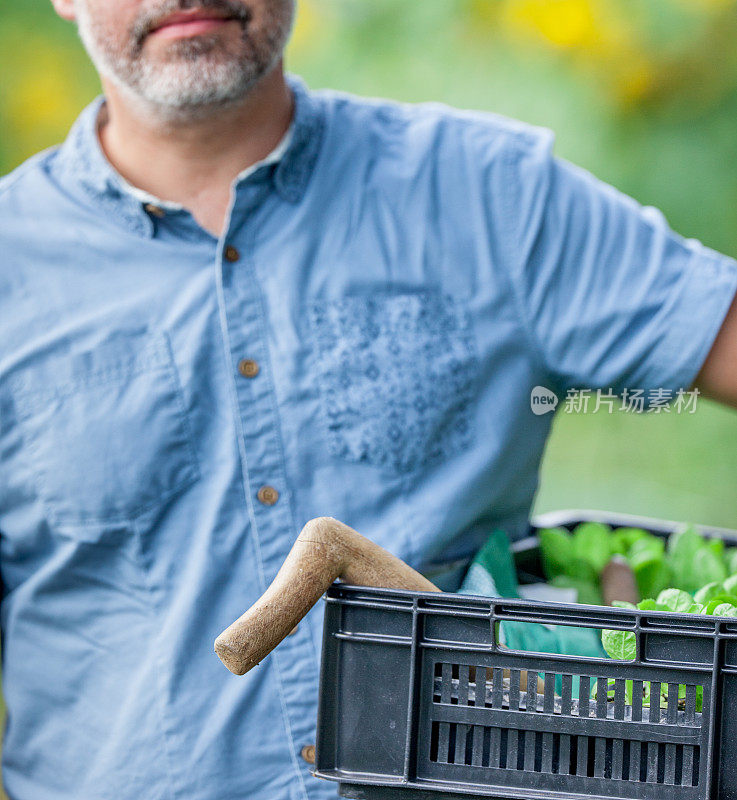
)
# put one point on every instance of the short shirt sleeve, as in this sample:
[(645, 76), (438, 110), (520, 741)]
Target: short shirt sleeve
[(612, 298)]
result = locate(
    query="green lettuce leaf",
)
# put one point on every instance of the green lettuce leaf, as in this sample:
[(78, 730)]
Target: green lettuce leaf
[(693, 562), (730, 560), (556, 549), (675, 600), (652, 572), (711, 590), (720, 599), (620, 645), (592, 545), (651, 605), (717, 547), (622, 539)]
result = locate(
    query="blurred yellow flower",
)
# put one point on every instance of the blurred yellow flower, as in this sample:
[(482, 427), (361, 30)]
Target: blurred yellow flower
[(35, 100), (564, 23), (600, 36)]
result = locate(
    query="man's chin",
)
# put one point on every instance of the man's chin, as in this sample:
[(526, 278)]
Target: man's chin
[(190, 78), (168, 92)]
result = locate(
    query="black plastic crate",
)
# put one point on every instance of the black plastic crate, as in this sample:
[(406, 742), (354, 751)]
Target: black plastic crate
[(415, 702)]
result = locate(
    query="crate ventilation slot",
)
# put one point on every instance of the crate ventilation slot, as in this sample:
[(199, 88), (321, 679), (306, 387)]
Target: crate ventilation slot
[(525, 722)]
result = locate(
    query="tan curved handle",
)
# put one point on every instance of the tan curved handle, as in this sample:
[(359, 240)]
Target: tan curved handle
[(324, 550)]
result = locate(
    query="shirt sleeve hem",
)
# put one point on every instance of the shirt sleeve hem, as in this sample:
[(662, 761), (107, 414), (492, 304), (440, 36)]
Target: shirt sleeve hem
[(704, 301)]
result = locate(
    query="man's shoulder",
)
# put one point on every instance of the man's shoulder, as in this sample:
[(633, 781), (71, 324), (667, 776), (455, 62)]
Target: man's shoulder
[(27, 179), (433, 121)]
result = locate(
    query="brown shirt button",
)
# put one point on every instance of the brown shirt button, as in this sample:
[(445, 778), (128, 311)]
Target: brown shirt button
[(308, 753), (248, 367), (155, 210), (267, 495), (231, 253)]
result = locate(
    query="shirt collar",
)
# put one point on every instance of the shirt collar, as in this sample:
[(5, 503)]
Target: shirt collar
[(82, 159), (272, 158)]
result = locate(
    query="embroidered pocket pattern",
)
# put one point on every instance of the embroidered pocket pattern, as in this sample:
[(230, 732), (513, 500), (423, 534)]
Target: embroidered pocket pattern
[(396, 377)]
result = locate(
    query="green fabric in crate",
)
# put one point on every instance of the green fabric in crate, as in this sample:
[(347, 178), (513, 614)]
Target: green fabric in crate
[(492, 574)]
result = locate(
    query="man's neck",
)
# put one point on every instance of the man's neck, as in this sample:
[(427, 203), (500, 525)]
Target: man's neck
[(195, 162)]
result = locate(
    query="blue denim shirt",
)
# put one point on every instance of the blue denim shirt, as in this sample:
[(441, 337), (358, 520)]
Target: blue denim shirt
[(402, 277)]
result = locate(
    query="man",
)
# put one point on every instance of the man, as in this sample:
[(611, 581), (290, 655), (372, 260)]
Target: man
[(228, 305)]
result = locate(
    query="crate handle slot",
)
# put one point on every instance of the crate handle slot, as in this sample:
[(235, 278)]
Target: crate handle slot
[(621, 619)]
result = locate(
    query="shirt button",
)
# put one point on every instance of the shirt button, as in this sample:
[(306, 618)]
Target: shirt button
[(267, 495), (155, 210), (231, 253), (308, 753), (248, 367)]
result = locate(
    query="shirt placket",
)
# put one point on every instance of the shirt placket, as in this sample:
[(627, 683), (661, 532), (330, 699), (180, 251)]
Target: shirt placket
[(269, 502)]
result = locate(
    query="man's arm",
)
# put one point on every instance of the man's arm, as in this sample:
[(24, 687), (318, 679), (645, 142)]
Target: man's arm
[(718, 375)]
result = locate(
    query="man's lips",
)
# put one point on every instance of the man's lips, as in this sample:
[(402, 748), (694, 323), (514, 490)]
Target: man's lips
[(189, 24)]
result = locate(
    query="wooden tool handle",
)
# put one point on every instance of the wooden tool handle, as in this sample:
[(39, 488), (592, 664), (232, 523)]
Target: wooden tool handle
[(325, 550)]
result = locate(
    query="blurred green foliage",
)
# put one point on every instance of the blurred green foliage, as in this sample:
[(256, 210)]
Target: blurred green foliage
[(641, 92)]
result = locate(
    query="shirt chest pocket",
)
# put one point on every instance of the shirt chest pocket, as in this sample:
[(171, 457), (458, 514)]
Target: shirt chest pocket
[(104, 431), (397, 373)]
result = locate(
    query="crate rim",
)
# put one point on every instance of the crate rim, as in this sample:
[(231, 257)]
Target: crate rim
[(480, 603)]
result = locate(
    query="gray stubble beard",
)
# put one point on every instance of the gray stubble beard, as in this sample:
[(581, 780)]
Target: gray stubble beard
[(200, 75)]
